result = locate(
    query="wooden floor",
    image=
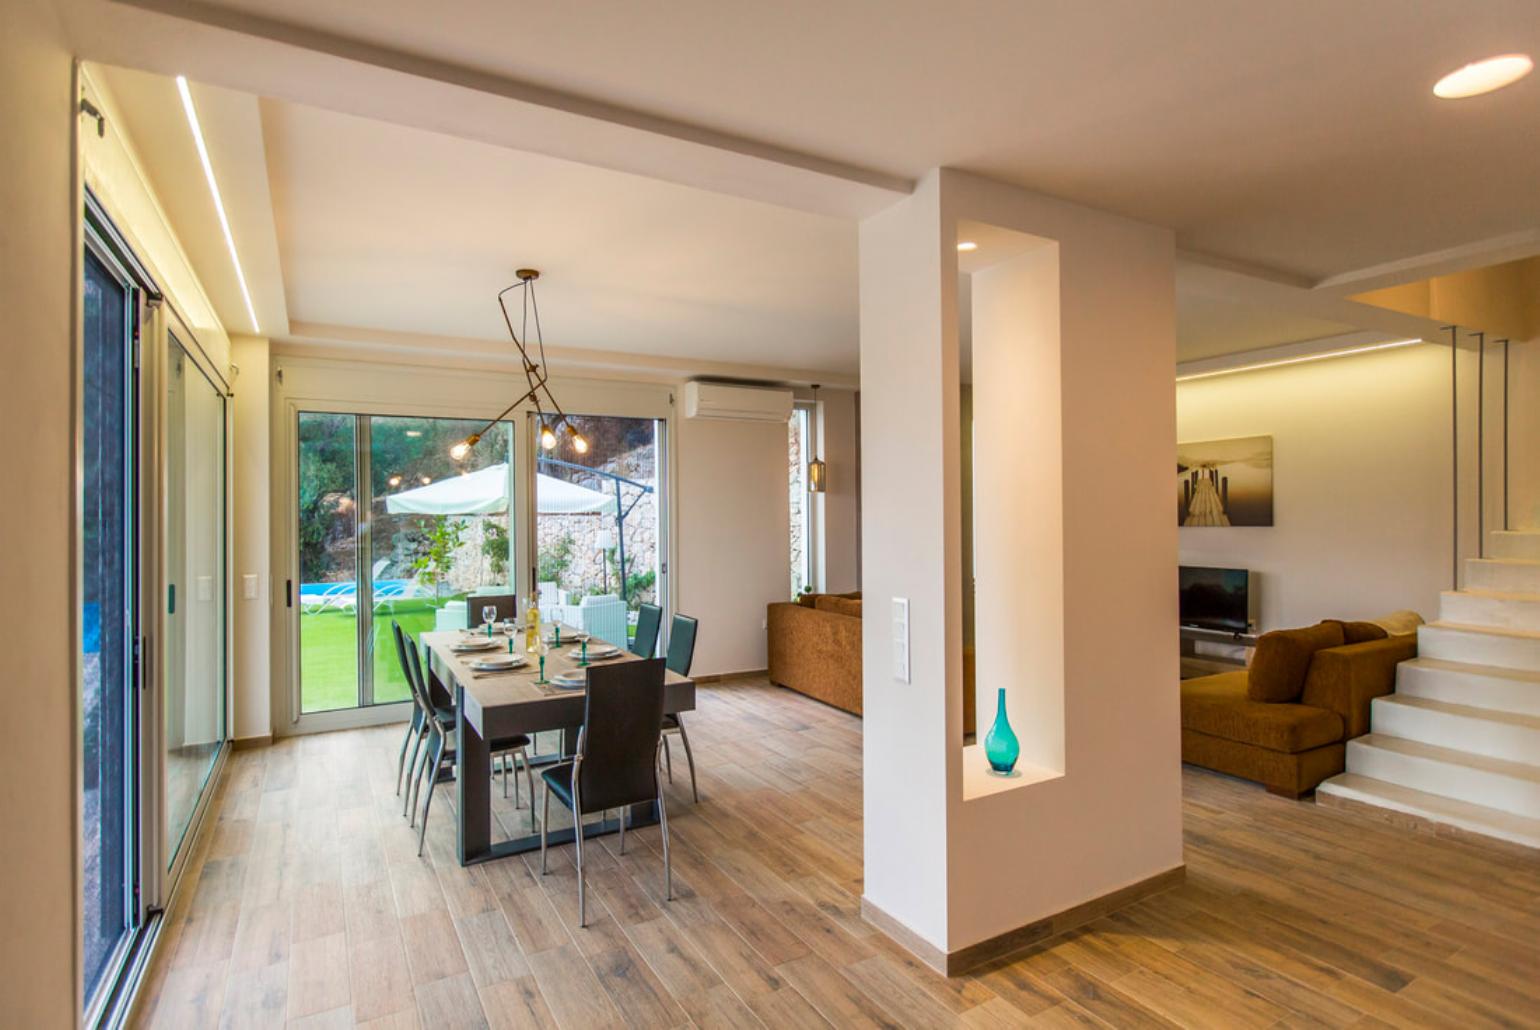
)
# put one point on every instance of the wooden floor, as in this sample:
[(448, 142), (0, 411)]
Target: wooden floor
[(310, 906)]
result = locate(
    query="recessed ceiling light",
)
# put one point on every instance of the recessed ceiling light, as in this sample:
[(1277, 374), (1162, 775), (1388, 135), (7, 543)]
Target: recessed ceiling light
[(1480, 77), (966, 245)]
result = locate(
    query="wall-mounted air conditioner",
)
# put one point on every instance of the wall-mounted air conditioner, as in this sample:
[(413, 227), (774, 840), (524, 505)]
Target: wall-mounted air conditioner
[(737, 403)]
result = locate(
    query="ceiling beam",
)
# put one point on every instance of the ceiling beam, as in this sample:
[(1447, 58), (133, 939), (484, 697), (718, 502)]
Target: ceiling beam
[(1495, 250), (269, 57)]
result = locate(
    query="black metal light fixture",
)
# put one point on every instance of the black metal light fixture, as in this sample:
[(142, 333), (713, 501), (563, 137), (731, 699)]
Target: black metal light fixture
[(817, 471), (536, 374)]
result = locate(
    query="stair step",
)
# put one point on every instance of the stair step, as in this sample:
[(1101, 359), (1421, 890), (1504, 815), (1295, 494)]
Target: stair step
[(1480, 645), (1505, 735), (1475, 686), (1488, 822), (1494, 783), (1491, 608), (1521, 544), (1507, 574)]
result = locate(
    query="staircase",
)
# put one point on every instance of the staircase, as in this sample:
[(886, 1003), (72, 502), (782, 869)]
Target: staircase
[(1458, 743)]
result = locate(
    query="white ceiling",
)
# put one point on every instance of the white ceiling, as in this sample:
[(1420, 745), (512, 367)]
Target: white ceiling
[(388, 227), (1299, 136), (1290, 143)]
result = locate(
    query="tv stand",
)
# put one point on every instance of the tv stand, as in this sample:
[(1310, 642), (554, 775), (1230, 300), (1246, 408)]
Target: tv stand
[(1196, 662)]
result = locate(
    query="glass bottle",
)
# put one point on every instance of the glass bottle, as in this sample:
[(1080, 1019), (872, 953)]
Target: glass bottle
[(532, 624)]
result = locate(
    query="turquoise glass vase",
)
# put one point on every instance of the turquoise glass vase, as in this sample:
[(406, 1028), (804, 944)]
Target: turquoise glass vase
[(1001, 746)]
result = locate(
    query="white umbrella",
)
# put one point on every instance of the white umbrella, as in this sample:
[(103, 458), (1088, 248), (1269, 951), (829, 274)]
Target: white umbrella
[(485, 492)]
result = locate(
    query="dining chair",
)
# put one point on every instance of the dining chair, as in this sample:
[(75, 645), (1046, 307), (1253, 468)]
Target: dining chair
[(681, 653), (507, 606), (615, 764), (649, 619), (439, 729)]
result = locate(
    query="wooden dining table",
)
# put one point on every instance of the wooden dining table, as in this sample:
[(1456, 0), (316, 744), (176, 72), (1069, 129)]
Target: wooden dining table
[(491, 706)]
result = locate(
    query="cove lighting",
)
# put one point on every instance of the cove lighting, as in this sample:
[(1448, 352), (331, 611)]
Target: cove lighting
[(967, 245), (1480, 77), (219, 204), (1298, 360)]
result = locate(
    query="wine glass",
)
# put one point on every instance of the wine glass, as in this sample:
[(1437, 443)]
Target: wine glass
[(489, 616)]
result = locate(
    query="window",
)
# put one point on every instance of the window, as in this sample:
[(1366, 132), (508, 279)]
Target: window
[(799, 450), (109, 624), (391, 527)]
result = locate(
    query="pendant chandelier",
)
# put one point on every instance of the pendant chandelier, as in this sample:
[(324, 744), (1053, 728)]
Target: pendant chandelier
[(536, 374), (817, 471)]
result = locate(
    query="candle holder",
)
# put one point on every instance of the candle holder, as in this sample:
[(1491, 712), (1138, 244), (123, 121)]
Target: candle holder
[(583, 653), (558, 634)]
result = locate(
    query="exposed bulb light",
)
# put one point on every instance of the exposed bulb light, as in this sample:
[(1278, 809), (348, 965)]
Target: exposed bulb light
[(579, 444), (425, 480), (967, 246), (219, 204), (547, 437), (414, 433), (1480, 77), (461, 449), (817, 471), (394, 481)]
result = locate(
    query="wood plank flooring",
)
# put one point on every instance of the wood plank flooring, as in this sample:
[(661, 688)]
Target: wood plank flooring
[(309, 907)]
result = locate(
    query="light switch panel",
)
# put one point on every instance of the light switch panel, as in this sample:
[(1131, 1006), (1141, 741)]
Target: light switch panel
[(249, 587), (901, 639)]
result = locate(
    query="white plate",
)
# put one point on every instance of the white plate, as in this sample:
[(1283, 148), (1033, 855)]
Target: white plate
[(473, 645), (566, 638), (500, 663), (603, 652), (570, 681)]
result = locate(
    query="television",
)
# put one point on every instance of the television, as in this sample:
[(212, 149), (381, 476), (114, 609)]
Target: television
[(1217, 599)]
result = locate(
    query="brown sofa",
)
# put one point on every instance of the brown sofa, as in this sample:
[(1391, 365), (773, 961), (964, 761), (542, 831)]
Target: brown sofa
[(1290, 746), (815, 647)]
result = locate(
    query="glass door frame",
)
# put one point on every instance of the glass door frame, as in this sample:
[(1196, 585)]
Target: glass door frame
[(286, 514), (317, 383), (171, 329)]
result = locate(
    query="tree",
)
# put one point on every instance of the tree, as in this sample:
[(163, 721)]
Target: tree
[(444, 538)]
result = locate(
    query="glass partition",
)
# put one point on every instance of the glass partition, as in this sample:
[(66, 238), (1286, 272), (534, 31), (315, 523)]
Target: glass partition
[(194, 554)]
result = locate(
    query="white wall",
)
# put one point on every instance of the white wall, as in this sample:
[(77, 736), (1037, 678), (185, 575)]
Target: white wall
[(1361, 482), (957, 869), (732, 526), (39, 976), (251, 475)]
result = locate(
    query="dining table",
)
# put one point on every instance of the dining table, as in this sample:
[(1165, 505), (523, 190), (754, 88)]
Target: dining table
[(492, 705)]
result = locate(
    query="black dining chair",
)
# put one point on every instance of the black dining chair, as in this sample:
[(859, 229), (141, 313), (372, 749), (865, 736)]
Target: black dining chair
[(438, 724), (616, 761), (507, 606), (649, 619), (681, 653)]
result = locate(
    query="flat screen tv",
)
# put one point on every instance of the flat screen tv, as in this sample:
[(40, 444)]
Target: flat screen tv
[(1219, 599)]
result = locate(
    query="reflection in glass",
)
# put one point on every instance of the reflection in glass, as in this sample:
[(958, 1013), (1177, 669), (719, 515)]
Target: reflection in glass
[(597, 532), (107, 629), (328, 549), (195, 587)]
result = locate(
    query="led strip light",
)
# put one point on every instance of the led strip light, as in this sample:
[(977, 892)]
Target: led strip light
[(1345, 352), (219, 204)]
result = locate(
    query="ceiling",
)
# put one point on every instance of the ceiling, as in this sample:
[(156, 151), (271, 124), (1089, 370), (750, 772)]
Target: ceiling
[(1296, 136), (708, 214)]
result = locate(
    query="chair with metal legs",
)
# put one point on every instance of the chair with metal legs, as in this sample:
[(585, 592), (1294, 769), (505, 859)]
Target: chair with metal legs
[(681, 653), (649, 619), (616, 762), (438, 734)]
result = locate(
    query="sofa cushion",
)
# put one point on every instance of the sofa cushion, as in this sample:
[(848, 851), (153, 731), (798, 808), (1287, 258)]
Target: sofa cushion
[(1282, 658), (838, 605), (1360, 632), (1219, 706), (1399, 624), (808, 600)]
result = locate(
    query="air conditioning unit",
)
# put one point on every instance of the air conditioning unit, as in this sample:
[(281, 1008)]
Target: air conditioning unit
[(736, 403)]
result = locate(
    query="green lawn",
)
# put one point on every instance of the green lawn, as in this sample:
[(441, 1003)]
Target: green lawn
[(328, 654)]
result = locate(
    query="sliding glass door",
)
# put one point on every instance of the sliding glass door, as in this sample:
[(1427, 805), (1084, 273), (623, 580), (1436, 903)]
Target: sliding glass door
[(193, 663), (600, 546), (391, 527), (109, 624)]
